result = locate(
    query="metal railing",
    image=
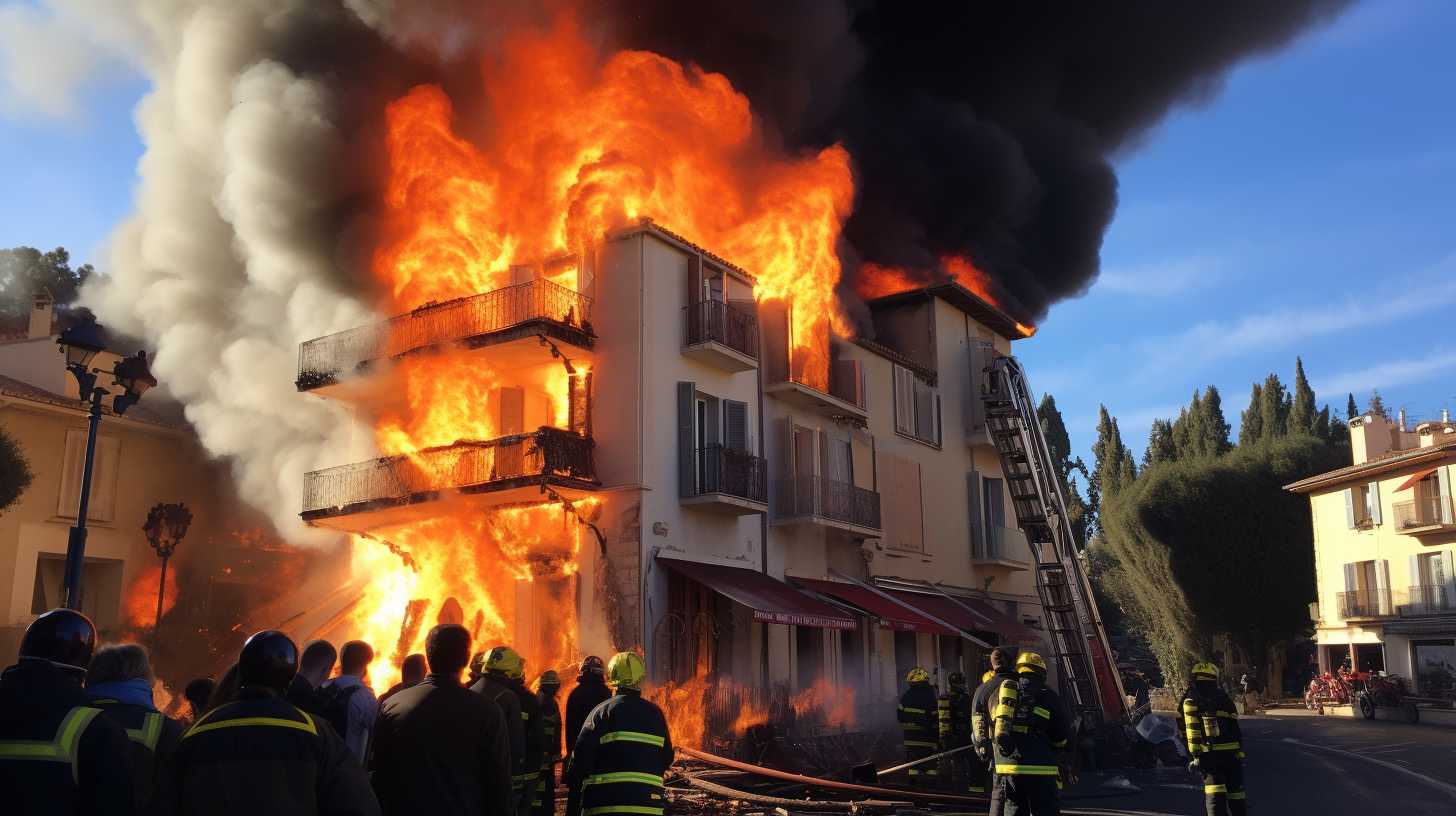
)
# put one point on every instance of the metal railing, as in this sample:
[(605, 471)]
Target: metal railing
[(718, 321), (735, 472), (1424, 512), (1428, 600), (1365, 603), (803, 496), (545, 452), (1003, 544), (321, 358)]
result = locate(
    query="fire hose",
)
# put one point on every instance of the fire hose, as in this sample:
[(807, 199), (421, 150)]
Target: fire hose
[(830, 784)]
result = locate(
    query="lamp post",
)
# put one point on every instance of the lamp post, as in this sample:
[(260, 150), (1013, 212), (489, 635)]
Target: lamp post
[(166, 526), (81, 343)]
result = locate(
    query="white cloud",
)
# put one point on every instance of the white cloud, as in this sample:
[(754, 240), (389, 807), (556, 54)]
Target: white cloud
[(1389, 373), (50, 52), (1161, 278)]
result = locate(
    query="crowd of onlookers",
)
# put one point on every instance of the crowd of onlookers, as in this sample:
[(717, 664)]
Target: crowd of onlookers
[(286, 731)]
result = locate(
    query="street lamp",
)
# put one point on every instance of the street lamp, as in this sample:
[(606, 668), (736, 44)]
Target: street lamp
[(166, 526), (81, 343)]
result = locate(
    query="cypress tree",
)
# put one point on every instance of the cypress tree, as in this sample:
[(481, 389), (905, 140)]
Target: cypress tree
[(1351, 411), (1111, 455), (1301, 411), (1160, 444), (1215, 427), (1251, 421), (1324, 426), (1377, 405), (1274, 408)]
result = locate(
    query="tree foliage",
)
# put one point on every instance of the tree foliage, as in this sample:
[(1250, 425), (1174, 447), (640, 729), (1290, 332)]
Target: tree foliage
[(1161, 447), (1377, 405), (24, 271), (1301, 411), (1059, 445), (1251, 421), (1113, 465), (14, 470), (1351, 409)]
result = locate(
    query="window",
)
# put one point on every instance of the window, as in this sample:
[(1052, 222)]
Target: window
[(103, 477), (1362, 506), (712, 285), (993, 511), (1434, 662), (1367, 590), (917, 407)]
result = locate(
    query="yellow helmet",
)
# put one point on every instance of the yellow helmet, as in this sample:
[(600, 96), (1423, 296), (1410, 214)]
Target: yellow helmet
[(505, 660), (1205, 671), (626, 670), (1030, 662), (917, 675)]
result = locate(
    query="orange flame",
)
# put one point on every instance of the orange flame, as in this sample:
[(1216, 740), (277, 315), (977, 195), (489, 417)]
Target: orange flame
[(140, 604), (690, 704), (834, 705), (876, 281)]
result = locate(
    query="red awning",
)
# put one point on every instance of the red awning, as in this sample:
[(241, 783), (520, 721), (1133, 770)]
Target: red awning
[(1416, 477), (771, 600), (981, 617), (1011, 630), (890, 614)]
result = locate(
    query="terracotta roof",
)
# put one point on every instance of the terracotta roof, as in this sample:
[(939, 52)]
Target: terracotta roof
[(160, 412), (1394, 460), (645, 224), (989, 315)]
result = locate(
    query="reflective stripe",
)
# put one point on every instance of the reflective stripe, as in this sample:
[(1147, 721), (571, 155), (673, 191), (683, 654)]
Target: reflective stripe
[(1215, 788), (1228, 715), (633, 736), (974, 789), (525, 715), (1041, 712), (909, 710), (920, 743), (912, 727), (1238, 795), (63, 748), (149, 733), (1003, 710), (1059, 744), (623, 776), (918, 772), (648, 811), (275, 722), (1026, 770), (1226, 746)]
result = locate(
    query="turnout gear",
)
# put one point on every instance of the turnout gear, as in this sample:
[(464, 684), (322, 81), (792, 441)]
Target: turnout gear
[(592, 664), (545, 802), (1030, 725), (1208, 725), (505, 660), (151, 738), (591, 691), (535, 744), (65, 637), (1031, 663), (269, 660), (620, 757), (983, 705), (259, 754), (626, 671), (953, 710), (496, 687), (917, 675), (917, 716), (58, 753)]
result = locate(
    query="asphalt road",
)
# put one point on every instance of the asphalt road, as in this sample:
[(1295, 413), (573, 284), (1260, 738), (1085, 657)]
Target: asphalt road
[(1304, 765)]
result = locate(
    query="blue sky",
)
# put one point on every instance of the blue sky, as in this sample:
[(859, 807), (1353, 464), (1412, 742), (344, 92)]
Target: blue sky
[(1308, 209)]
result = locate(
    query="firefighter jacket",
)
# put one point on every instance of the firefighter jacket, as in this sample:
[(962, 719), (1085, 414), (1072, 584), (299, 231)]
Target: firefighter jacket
[(953, 712), (620, 756), (440, 748), (1030, 725), (58, 755), (983, 703), (495, 687), (1208, 721), (550, 727), (151, 736), (591, 691), (535, 740), (260, 754), (917, 716)]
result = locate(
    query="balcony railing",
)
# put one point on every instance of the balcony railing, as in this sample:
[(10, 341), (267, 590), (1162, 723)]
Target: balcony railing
[(734, 472), (1428, 600), (1003, 544), (548, 452), (1429, 511), (813, 496), (1366, 603), (722, 323), (321, 359)]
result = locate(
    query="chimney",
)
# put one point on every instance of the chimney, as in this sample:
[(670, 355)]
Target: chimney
[(1446, 415), (1402, 420), (42, 313)]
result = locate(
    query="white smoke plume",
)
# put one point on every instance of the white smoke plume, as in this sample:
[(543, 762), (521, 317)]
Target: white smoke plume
[(231, 258)]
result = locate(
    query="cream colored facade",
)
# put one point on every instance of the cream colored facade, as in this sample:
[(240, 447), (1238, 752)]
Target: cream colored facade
[(1385, 552)]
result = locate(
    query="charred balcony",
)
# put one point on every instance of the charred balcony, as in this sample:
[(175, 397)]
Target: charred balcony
[(394, 490), (517, 314), (804, 499), (722, 335)]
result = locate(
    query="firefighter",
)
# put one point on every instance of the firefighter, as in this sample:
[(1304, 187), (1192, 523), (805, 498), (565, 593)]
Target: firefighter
[(260, 754), (547, 686), (534, 736), (953, 710), (57, 753), (493, 670), (623, 749), (119, 682), (591, 691), (916, 713), (1030, 724), (1208, 726), (1003, 667)]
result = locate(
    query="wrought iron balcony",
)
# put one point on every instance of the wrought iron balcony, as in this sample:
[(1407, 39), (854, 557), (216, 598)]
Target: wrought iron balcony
[(546, 457), (814, 499), (1428, 600), (1004, 545), (729, 480), (1365, 603), (722, 335), (1428, 514), (477, 320)]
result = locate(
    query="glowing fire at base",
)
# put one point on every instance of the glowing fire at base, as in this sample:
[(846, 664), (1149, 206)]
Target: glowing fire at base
[(140, 600), (875, 281), (700, 710)]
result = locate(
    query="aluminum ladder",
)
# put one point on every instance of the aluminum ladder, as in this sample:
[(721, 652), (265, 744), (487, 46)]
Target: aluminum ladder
[(1090, 679)]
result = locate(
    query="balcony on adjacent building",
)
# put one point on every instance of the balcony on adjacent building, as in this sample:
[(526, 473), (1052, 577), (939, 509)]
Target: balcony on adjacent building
[(728, 481), (1427, 515), (1366, 604), (401, 489), (1001, 547), (1427, 600), (523, 313), (722, 335), (834, 504)]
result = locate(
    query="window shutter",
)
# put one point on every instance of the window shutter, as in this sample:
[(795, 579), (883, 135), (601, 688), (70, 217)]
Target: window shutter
[(1382, 586), (686, 454), (1351, 582), (1350, 508), (904, 401), (1447, 579), (924, 410), (939, 426), (695, 279), (973, 504), (1373, 496), (511, 409), (1443, 489), (735, 425)]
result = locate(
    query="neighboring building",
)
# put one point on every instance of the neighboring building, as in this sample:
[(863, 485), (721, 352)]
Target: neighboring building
[(1385, 553), (755, 526)]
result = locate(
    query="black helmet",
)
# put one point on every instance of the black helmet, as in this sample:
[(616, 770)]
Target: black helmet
[(65, 637), (957, 680), (269, 660), (593, 665)]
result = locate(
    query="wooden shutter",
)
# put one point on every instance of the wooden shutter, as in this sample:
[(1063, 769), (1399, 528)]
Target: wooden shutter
[(1443, 490), (511, 410), (973, 506), (1382, 587), (1372, 496), (686, 396), (904, 400), (1349, 508), (735, 425), (695, 279)]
